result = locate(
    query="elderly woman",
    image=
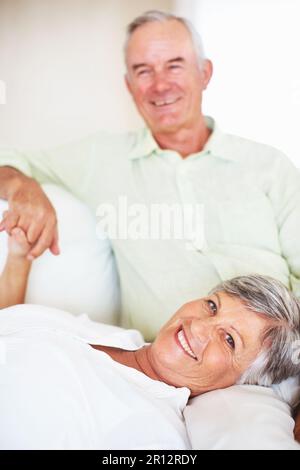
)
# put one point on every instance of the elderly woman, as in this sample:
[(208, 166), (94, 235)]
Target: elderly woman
[(243, 332)]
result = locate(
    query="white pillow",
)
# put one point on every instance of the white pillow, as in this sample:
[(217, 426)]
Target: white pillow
[(83, 279), (243, 417)]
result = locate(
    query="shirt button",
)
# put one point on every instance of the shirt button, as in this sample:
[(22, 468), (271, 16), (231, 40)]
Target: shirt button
[(181, 171)]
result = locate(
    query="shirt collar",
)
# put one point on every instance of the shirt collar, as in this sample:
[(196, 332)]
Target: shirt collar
[(146, 145)]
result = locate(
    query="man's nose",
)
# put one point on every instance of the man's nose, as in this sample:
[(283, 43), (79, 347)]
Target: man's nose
[(161, 83)]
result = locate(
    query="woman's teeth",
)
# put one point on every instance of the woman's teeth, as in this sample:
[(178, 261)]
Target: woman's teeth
[(184, 344)]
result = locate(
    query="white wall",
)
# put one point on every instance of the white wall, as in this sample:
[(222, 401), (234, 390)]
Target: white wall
[(61, 63), (254, 45), (61, 68)]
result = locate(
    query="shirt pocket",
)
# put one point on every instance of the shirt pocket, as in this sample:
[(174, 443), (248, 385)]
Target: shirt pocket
[(248, 222)]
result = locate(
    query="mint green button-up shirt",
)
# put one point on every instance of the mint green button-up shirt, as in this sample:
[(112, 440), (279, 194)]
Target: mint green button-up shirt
[(250, 194)]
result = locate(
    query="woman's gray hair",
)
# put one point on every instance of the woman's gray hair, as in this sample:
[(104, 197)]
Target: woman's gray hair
[(279, 358), (159, 16)]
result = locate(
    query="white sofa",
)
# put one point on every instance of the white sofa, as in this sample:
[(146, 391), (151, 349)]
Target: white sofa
[(83, 279)]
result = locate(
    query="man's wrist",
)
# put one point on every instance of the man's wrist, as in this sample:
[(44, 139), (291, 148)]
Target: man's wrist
[(19, 182), (11, 180)]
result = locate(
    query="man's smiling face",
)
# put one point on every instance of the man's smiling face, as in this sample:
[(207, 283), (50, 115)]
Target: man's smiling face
[(164, 76)]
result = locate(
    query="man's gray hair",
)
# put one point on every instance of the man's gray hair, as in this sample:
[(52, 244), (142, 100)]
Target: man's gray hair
[(159, 16), (279, 358)]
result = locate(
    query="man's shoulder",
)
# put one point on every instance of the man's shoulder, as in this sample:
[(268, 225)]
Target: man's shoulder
[(110, 137), (251, 152), (125, 141)]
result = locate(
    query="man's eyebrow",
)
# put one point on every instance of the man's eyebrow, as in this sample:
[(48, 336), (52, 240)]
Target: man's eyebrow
[(142, 64), (138, 66), (232, 327), (176, 59)]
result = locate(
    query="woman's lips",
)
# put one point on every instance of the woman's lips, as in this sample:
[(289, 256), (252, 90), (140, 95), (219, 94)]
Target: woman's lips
[(183, 343)]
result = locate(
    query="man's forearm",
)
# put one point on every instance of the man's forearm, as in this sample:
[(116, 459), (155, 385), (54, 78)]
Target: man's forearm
[(10, 180), (13, 281)]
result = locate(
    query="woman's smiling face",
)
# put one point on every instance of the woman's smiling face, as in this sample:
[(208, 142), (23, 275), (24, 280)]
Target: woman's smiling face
[(208, 344)]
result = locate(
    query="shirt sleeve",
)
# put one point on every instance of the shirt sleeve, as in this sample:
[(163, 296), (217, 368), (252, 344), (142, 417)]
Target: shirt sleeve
[(71, 166), (285, 196)]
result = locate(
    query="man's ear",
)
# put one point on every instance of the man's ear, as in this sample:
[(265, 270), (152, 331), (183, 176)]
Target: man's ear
[(127, 82), (207, 71)]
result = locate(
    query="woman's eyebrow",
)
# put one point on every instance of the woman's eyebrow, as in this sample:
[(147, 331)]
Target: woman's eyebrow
[(239, 335), (231, 326), (219, 301)]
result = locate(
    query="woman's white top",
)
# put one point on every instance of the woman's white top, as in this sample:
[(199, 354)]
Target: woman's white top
[(57, 392)]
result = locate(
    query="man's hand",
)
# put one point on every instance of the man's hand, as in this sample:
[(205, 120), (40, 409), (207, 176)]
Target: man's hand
[(31, 210)]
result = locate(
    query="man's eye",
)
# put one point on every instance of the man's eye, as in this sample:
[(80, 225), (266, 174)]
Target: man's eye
[(212, 306), (230, 341), (143, 72)]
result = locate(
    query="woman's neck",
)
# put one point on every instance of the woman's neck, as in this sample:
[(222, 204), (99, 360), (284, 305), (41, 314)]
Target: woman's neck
[(140, 359)]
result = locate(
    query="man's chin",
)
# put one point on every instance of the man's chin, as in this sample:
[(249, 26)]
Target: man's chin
[(170, 126)]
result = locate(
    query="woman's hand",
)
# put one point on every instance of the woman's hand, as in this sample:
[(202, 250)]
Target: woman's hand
[(13, 280), (18, 246)]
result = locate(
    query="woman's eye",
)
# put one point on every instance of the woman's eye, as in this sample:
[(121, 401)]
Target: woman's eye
[(230, 341), (212, 306)]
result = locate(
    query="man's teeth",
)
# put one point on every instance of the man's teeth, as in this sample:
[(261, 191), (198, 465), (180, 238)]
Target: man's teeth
[(182, 341), (164, 103)]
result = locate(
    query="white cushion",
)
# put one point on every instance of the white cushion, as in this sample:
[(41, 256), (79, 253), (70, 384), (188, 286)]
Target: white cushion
[(83, 279), (243, 417)]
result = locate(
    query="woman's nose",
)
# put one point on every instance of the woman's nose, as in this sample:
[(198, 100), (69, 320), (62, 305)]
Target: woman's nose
[(202, 336)]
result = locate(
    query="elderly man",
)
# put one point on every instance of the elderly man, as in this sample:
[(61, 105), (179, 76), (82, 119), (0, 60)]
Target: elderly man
[(248, 195)]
